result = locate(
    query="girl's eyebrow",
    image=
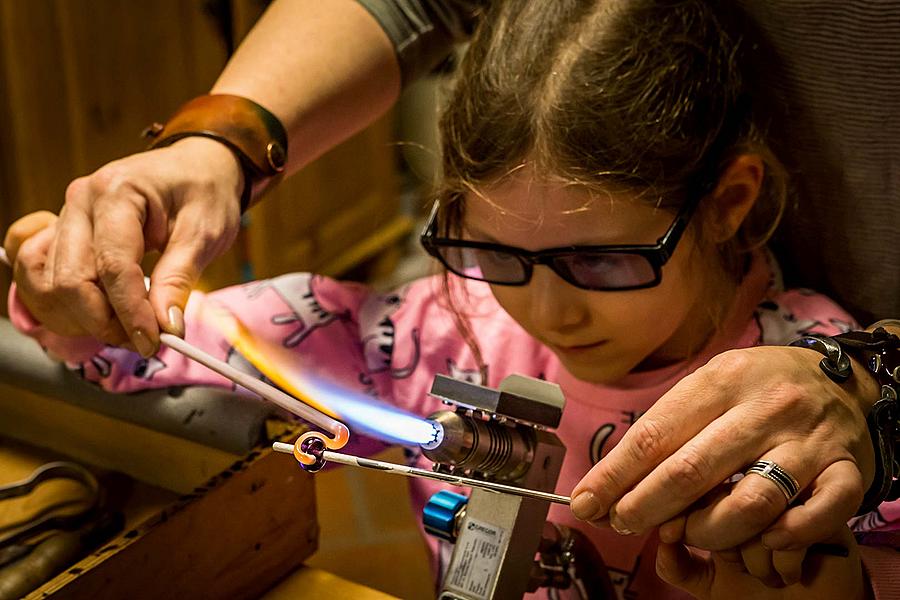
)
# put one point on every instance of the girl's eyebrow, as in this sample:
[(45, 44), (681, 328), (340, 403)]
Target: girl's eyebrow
[(480, 235)]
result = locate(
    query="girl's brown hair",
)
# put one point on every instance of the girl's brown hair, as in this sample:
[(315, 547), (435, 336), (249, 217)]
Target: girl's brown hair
[(647, 96)]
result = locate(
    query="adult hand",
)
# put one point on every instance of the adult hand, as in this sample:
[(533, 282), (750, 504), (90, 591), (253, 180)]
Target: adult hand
[(768, 402), (83, 275), (755, 573)]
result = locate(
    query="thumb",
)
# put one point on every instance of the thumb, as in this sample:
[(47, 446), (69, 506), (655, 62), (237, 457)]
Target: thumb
[(680, 566), (24, 228), (174, 276)]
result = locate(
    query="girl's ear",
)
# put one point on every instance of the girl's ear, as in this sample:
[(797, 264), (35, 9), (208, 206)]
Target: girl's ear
[(734, 196)]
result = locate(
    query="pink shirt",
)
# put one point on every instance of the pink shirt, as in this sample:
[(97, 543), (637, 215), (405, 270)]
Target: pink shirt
[(391, 345)]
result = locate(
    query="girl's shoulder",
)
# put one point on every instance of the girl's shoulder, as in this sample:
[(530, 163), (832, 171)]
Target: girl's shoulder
[(785, 315), (781, 315)]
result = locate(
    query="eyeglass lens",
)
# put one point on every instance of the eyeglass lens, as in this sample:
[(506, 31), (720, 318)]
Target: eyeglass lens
[(592, 271)]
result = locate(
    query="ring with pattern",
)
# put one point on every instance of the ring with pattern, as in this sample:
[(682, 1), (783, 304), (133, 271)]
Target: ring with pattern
[(771, 471)]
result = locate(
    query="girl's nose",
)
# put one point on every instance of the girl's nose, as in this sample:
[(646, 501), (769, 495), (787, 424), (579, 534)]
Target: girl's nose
[(555, 304)]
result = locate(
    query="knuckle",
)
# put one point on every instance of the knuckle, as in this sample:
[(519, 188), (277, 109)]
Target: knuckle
[(690, 471), (30, 255), (212, 238), (110, 263), (648, 437), (109, 177), (791, 393), (759, 507), (66, 282), (729, 364), (180, 280), (76, 188)]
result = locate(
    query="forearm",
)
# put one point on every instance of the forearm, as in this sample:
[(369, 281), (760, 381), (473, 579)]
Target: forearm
[(325, 69)]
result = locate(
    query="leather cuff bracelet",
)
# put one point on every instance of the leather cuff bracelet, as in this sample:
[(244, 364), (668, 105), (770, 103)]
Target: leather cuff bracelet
[(879, 352), (255, 135)]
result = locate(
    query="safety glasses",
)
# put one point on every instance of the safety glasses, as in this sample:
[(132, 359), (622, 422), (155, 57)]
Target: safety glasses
[(598, 268)]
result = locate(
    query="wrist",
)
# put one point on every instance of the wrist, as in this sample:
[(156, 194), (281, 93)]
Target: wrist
[(877, 354), (254, 135), (222, 165), (891, 325)]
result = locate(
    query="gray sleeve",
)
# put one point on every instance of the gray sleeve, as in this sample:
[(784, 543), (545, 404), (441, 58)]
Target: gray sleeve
[(423, 31)]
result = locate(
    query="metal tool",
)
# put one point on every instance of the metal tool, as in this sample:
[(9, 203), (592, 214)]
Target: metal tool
[(497, 442), (397, 469), (50, 518), (500, 434)]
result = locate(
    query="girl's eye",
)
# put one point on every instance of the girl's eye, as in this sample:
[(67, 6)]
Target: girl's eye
[(610, 271), (498, 258), (587, 262), (498, 266)]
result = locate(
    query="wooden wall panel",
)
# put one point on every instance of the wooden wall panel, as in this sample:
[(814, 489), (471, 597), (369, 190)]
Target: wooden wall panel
[(83, 78), (80, 79)]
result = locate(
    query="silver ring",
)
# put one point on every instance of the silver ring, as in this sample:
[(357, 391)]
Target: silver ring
[(771, 471)]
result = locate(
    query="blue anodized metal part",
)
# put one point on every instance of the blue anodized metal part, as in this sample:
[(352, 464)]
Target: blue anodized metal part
[(440, 512)]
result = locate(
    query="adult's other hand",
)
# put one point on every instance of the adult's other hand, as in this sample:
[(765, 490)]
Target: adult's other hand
[(83, 275), (755, 575), (764, 403)]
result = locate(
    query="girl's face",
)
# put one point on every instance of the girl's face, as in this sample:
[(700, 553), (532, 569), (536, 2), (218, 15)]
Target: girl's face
[(598, 336)]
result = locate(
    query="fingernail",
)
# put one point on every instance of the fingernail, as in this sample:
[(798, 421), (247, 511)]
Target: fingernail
[(776, 540), (176, 321), (586, 506), (142, 343), (622, 530), (616, 523)]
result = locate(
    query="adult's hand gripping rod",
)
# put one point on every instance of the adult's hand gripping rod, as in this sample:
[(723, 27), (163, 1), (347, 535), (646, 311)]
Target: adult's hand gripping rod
[(340, 431)]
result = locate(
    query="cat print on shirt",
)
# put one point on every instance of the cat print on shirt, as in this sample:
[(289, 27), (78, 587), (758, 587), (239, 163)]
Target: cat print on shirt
[(236, 359), (598, 442), (778, 326), (146, 368), (379, 337), (297, 291), (868, 522), (476, 376)]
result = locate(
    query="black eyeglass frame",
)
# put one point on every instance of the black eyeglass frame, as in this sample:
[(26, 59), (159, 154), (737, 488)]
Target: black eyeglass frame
[(657, 255)]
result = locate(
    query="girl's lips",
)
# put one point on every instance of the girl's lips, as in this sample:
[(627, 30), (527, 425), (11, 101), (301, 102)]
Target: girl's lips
[(580, 347)]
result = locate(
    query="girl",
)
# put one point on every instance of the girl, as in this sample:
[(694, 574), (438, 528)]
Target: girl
[(607, 189)]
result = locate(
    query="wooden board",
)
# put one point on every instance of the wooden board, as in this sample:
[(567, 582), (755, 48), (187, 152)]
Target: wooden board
[(231, 538)]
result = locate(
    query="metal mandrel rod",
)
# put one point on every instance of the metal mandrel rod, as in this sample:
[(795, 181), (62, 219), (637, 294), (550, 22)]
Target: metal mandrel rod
[(387, 467)]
